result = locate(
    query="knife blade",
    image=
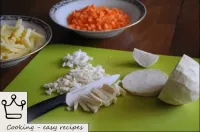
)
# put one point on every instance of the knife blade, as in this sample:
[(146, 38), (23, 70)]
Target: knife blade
[(69, 99)]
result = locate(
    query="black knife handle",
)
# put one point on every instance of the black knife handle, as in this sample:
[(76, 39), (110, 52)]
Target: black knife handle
[(45, 106)]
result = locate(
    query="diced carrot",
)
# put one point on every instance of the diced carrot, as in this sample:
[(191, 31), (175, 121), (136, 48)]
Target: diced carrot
[(94, 18), (89, 19), (93, 26), (78, 27)]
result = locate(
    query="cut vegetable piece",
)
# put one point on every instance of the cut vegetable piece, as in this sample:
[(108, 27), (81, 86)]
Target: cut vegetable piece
[(84, 106), (37, 35), (91, 95), (109, 100), (108, 89), (109, 92), (19, 31), (74, 95), (27, 40), (115, 100), (183, 84), (85, 98), (7, 31), (145, 82), (75, 106), (122, 91), (119, 90), (144, 59), (15, 38), (19, 46), (99, 94), (92, 108), (3, 28), (11, 48), (18, 23), (16, 55)]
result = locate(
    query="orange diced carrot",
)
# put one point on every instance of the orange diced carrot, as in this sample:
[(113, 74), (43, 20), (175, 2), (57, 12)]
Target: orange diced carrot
[(94, 18)]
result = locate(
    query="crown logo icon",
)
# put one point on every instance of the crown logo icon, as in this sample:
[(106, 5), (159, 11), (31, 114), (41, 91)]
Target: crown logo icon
[(13, 110)]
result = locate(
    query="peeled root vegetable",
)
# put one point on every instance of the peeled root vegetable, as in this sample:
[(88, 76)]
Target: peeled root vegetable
[(104, 96), (145, 82), (183, 85), (144, 59)]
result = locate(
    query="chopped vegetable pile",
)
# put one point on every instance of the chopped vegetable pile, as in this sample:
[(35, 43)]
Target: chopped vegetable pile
[(94, 18), (17, 40), (81, 74), (104, 96)]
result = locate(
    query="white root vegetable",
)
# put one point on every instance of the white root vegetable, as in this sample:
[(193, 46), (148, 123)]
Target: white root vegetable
[(119, 90), (108, 90), (145, 82), (19, 31), (92, 108), (91, 95), (75, 106), (74, 95), (26, 39), (122, 91), (84, 106), (85, 98), (110, 93), (183, 84), (93, 105), (103, 97), (144, 59), (109, 100)]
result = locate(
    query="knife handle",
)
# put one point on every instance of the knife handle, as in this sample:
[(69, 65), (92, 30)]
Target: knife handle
[(45, 106)]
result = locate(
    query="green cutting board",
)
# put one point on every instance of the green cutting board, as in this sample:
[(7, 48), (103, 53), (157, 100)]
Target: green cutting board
[(130, 113)]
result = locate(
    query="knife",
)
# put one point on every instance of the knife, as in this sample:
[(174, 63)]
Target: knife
[(69, 98)]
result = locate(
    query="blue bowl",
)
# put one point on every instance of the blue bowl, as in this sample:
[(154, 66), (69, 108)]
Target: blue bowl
[(60, 11)]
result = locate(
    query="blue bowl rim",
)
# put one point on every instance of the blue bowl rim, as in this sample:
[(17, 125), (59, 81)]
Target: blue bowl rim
[(64, 2)]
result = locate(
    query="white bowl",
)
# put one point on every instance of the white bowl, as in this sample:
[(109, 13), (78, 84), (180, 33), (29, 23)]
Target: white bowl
[(28, 22), (60, 11)]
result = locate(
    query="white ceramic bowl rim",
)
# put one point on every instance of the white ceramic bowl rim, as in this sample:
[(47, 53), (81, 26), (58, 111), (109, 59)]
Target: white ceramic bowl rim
[(64, 2), (34, 20)]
